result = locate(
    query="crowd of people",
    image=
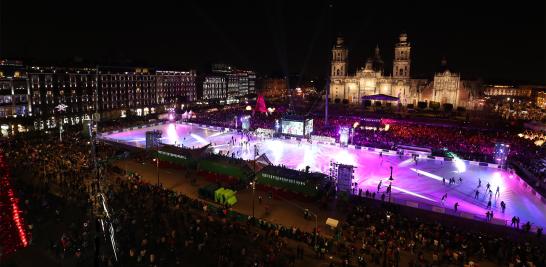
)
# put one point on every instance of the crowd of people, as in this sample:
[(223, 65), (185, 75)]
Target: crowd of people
[(155, 226), (386, 234)]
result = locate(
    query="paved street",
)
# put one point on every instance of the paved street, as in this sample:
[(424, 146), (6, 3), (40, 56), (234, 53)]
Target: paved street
[(289, 213)]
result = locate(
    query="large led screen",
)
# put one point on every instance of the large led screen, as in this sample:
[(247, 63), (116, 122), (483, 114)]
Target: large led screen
[(292, 127)]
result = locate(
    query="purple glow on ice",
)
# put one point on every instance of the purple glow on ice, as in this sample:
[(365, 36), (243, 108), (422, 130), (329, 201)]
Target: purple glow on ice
[(416, 183)]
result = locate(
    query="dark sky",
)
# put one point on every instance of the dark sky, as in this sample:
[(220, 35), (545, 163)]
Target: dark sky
[(498, 41)]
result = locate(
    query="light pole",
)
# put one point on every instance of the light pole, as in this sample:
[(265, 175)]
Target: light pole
[(390, 185), (253, 184), (316, 229), (390, 192), (254, 179), (353, 132), (390, 178), (61, 107), (157, 162)]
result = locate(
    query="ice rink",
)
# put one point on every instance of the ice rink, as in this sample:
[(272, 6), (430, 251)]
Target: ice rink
[(420, 182)]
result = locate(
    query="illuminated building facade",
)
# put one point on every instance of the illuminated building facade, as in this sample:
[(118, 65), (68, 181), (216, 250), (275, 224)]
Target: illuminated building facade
[(274, 87), (228, 85), (110, 92), (214, 87), (14, 94), (446, 87), (541, 100), (507, 91)]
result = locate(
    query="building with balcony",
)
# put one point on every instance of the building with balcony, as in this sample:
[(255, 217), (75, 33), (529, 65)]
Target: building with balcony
[(107, 92)]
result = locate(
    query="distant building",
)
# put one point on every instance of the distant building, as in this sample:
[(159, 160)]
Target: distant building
[(507, 91), (111, 92), (274, 87), (447, 86), (237, 84), (14, 91), (214, 87), (541, 100)]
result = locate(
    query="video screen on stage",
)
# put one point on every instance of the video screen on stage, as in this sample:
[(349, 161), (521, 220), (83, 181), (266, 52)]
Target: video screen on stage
[(292, 127), (309, 126)]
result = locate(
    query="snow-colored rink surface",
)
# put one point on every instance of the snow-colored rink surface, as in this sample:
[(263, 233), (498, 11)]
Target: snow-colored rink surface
[(418, 183)]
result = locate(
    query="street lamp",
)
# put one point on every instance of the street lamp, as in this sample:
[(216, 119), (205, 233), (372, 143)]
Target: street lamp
[(253, 184), (390, 185), (353, 132), (316, 225), (61, 107), (390, 178), (157, 160)]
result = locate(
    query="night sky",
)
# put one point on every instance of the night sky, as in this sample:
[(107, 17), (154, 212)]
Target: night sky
[(501, 41)]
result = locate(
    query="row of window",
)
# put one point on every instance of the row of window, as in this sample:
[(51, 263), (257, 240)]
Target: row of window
[(13, 99)]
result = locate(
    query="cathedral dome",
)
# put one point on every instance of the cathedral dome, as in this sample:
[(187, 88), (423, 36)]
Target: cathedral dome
[(377, 62), (443, 66)]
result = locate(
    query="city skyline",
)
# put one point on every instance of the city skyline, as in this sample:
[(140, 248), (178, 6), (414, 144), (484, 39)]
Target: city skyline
[(501, 43)]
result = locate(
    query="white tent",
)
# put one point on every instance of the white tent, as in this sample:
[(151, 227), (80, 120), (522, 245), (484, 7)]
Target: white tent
[(332, 222)]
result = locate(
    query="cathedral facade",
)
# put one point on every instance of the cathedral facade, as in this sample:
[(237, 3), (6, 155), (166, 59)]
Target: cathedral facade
[(370, 80)]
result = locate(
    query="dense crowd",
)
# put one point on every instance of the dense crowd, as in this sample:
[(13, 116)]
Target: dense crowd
[(159, 227), (154, 226), (387, 234)]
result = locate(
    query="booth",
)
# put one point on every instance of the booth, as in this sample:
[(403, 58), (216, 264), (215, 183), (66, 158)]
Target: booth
[(344, 133), (225, 196), (332, 222), (295, 181), (153, 139)]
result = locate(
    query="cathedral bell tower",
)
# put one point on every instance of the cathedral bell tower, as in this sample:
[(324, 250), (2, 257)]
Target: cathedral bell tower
[(402, 59), (339, 59)]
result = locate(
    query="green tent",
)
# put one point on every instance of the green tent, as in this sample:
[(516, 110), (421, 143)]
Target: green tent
[(222, 195), (231, 201)]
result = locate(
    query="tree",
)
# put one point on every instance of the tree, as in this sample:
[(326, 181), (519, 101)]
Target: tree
[(377, 103), (345, 101), (337, 100), (434, 105), (422, 105), (448, 107), (367, 103)]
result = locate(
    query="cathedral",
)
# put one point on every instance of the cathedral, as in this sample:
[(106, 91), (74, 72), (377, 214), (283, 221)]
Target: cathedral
[(372, 82)]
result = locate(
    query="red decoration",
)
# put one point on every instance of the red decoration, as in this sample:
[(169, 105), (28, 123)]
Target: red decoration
[(260, 104), (12, 229)]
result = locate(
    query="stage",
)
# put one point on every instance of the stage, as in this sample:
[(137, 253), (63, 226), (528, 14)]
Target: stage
[(415, 184)]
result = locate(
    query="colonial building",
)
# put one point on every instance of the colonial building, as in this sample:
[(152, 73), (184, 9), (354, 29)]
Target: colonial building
[(228, 85), (32, 91), (446, 87), (14, 93), (214, 87)]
